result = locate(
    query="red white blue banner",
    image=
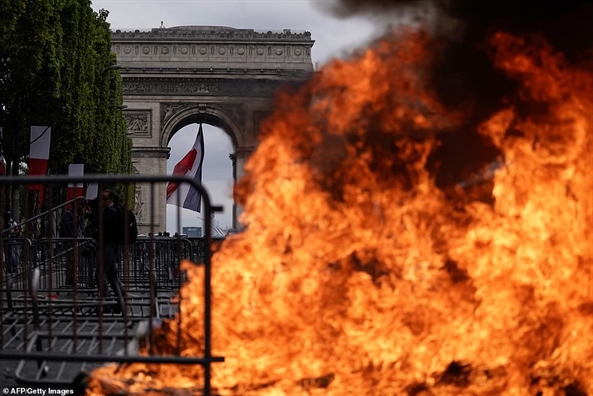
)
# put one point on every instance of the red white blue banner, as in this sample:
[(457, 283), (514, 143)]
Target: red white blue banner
[(185, 194)]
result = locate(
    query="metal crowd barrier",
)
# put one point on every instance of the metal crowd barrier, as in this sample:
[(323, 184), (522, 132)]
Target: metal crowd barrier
[(57, 319)]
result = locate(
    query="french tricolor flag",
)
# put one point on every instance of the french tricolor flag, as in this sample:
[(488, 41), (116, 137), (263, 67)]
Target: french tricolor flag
[(39, 153), (186, 195)]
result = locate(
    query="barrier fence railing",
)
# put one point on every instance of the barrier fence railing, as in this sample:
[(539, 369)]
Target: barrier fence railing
[(58, 317)]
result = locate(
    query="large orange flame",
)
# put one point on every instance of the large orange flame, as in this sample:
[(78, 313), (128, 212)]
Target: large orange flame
[(358, 276)]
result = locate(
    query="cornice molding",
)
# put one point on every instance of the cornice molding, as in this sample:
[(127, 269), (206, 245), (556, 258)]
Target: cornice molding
[(214, 33), (151, 152)]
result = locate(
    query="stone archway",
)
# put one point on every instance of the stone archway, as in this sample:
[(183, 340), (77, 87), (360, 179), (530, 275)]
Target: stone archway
[(224, 116), (226, 77)]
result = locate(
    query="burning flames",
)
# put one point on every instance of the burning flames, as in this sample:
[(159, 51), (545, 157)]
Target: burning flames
[(359, 275)]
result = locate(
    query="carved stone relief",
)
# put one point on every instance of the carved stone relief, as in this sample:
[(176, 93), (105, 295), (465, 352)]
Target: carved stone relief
[(217, 52), (138, 123), (170, 109), (138, 210), (202, 86)]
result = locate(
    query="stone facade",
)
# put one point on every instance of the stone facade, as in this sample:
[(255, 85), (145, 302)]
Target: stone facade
[(221, 76)]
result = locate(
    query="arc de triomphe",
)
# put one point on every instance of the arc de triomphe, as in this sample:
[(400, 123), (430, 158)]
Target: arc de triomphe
[(222, 76)]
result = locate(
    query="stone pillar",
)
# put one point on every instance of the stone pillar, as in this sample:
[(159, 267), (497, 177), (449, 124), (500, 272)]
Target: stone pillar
[(151, 205), (239, 159)]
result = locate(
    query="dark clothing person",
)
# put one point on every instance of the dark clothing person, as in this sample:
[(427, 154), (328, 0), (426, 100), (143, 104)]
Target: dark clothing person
[(72, 225), (106, 228)]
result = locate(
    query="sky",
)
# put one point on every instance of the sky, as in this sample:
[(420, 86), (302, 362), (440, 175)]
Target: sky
[(334, 38)]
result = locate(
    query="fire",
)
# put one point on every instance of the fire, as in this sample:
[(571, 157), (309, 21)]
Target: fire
[(358, 275)]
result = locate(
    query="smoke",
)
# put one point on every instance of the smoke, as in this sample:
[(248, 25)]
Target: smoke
[(466, 24), (565, 23), (463, 75)]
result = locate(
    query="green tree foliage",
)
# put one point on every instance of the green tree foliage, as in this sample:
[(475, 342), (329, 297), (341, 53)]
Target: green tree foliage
[(55, 58)]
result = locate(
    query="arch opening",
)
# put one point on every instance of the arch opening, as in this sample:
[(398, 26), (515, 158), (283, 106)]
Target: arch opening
[(205, 119), (214, 115), (217, 175)]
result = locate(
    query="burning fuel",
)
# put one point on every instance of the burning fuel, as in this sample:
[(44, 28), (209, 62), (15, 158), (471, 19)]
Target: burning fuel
[(372, 266)]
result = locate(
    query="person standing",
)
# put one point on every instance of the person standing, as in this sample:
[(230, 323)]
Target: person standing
[(107, 231)]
